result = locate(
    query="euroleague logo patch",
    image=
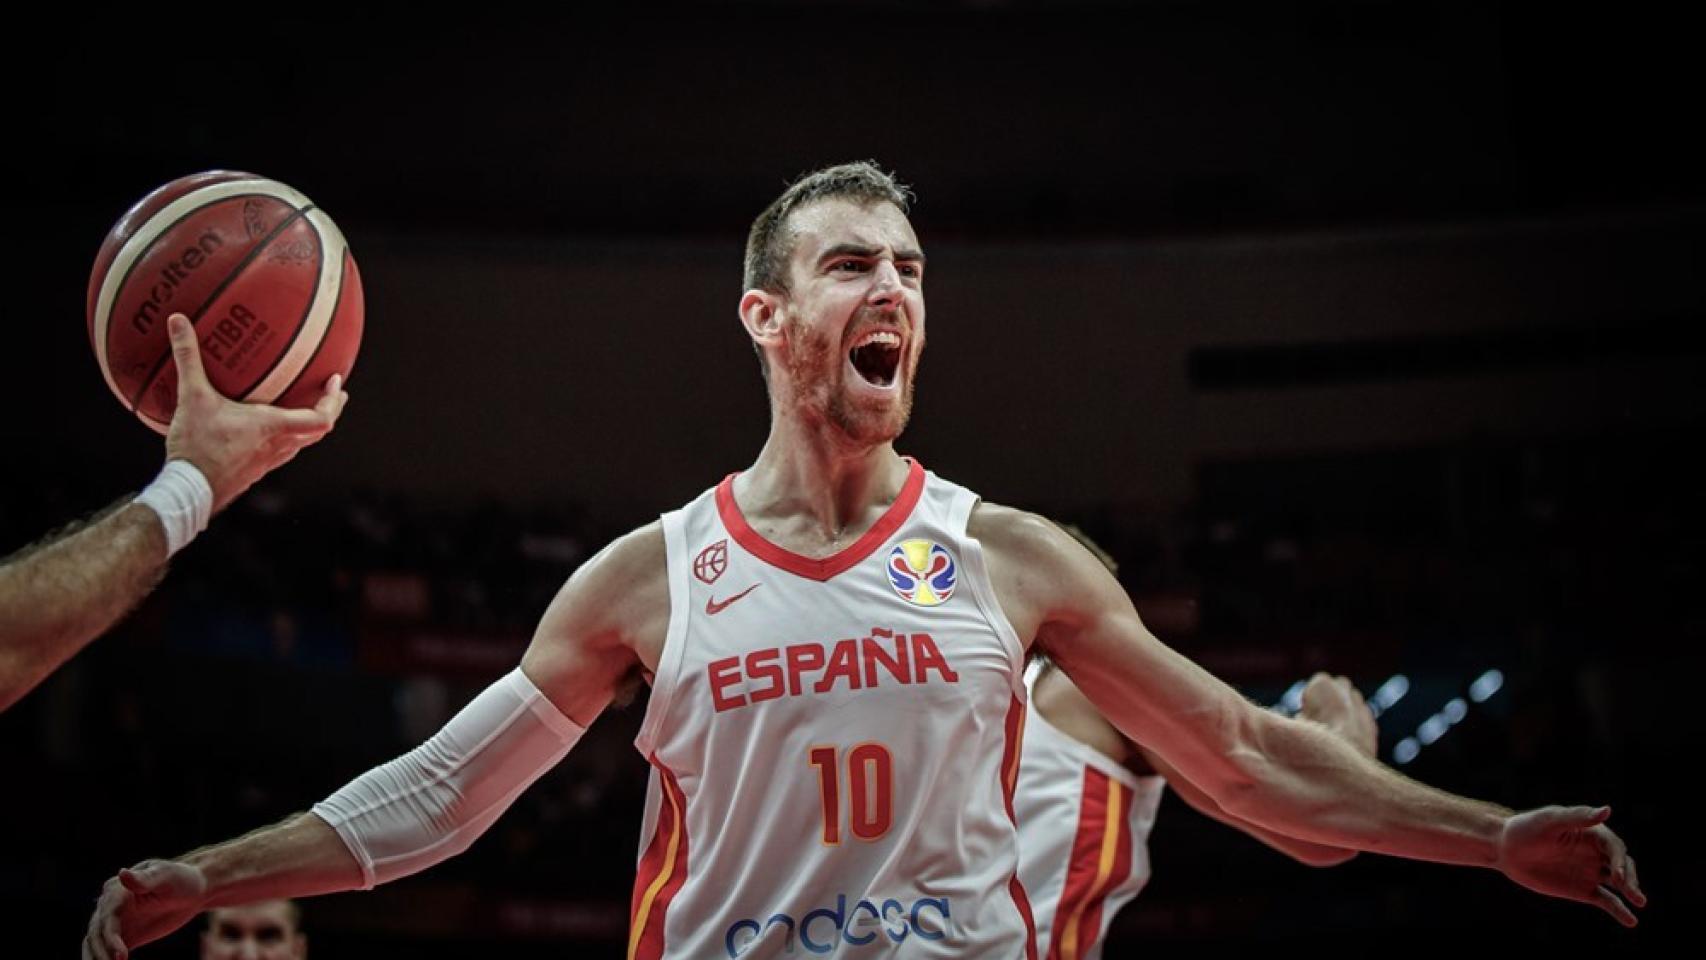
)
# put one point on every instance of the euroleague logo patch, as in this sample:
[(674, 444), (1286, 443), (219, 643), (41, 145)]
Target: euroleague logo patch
[(923, 572), (711, 562)]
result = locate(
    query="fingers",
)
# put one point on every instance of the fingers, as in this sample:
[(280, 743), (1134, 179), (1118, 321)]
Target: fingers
[(1587, 815), (331, 403), (312, 423), (1631, 885), (1576, 818), (186, 355), (132, 881), (103, 940), (1620, 872), (111, 939), (1608, 902)]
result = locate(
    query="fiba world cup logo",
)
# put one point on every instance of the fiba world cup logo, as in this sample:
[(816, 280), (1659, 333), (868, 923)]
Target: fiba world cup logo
[(923, 572)]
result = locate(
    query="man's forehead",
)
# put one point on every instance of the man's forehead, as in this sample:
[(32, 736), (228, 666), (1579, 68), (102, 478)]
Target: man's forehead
[(254, 914), (835, 222)]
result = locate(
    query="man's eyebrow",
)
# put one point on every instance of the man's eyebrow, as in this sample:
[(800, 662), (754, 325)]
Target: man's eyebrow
[(861, 250), (848, 250)]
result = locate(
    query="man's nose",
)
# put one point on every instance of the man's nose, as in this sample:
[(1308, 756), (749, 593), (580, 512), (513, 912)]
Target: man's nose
[(886, 290)]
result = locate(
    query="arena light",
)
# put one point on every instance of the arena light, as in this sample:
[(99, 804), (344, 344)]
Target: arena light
[(1486, 685), (1406, 750), (1452, 713), (1456, 710), (1390, 692), (1432, 729)]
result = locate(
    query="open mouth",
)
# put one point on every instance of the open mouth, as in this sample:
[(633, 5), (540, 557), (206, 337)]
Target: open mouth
[(876, 357)]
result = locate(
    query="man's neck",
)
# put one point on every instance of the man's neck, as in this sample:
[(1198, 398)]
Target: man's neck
[(817, 488)]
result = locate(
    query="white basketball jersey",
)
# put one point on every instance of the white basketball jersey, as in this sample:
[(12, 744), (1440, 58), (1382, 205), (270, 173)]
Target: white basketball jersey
[(834, 744), (1084, 825)]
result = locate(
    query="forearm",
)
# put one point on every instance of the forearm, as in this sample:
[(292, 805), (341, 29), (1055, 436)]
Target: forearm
[(1303, 851), (298, 857), (431, 803), (1308, 783), (56, 597), (403, 816)]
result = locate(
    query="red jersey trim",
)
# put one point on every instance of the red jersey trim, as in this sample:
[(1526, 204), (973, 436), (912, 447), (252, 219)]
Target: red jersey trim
[(828, 567), (662, 871), (1015, 730), (1101, 860)]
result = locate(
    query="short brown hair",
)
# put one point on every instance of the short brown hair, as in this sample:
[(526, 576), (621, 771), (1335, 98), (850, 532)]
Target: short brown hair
[(769, 242)]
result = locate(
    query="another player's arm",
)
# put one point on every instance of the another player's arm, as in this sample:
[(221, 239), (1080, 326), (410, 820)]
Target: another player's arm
[(60, 594), (1303, 851), (1066, 707), (1291, 777), (1338, 707), (604, 627)]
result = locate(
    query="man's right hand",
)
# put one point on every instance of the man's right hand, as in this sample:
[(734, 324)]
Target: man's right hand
[(235, 444), (1569, 852), (1335, 704), (141, 905)]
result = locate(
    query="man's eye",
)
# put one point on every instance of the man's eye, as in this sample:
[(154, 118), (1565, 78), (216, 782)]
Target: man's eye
[(909, 270), (850, 266)]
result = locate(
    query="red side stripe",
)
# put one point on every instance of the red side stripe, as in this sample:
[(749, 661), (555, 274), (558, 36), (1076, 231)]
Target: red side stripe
[(647, 942), (1015, 732), (1090, 928), (1082, 866)]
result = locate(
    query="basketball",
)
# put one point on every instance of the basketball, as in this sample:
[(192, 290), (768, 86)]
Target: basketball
[(265, 277)]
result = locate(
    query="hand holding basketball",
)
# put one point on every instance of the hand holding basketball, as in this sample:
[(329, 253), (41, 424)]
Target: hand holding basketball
[(264, 275), (235, 444)]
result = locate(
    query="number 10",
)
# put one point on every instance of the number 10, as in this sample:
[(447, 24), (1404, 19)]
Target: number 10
[(870, 784)]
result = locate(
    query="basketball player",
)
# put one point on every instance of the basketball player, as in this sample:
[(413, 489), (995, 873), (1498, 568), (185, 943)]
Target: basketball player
[(1087, 800), (835, 640), (66, 590), (268, 930)]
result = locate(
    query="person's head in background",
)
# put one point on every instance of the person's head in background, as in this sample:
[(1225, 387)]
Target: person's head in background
[(268, 930)]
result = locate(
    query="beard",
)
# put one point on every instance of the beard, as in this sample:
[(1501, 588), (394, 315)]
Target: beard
[(818, 372)]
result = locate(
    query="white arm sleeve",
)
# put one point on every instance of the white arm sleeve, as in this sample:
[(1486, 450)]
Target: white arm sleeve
[(431, 803)]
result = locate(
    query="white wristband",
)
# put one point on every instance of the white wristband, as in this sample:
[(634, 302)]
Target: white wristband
[(183, 499)]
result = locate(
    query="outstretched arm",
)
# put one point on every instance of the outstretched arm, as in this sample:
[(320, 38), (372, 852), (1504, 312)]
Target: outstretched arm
[(1336, 706), (1289, 776), (60, 594), (433, 802)]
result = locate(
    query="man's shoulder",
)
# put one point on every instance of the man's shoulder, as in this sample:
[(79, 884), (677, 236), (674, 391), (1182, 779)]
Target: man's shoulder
[(1015, 533), (620, 595), (637, 554)]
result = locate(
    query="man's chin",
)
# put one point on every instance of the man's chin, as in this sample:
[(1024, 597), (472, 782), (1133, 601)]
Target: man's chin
[(872, 424)]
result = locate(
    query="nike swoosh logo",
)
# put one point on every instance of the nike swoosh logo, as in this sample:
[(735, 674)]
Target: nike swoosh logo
[(713, 608)]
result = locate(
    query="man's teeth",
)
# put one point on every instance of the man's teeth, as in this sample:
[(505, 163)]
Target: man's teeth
[(883, 337)]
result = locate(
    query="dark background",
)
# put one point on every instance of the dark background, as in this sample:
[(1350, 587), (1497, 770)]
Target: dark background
[(1366, 336)]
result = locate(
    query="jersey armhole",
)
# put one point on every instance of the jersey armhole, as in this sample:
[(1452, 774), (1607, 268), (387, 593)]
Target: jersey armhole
[(675, 636), (982, 588)]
